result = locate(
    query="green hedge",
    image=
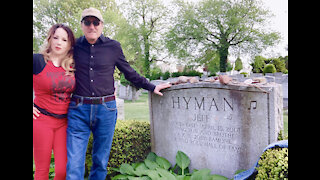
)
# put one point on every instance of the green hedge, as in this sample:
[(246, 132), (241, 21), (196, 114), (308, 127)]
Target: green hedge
[(273, 164), (269, 68), (131, 143)]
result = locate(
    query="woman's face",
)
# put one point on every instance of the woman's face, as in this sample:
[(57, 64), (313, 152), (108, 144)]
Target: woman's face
[(60, 44)]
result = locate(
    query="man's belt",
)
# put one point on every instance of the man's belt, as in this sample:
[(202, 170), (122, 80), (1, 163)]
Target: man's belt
[(92, 100)]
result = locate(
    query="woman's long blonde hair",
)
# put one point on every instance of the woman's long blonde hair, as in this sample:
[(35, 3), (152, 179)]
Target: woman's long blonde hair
[(67, 63)]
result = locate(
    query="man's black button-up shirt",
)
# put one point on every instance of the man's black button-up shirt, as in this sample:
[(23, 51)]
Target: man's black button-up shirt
[(95, 65)]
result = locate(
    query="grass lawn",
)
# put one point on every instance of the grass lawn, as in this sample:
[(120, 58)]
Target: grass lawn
[(138, 110), (285, 124)]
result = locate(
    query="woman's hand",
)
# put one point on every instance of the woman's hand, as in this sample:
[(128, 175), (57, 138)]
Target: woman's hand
[(36, 113)]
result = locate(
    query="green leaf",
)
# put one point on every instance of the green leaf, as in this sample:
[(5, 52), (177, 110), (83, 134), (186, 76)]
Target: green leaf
[(218, 177), (203, 174), (141, 169), (151, 164), (183, 177), (165, 174), (115, 169), (139, 178), (145, 178), (126, 169), (153, 174), (162, 162), (134, 165), (152, 156), (120, 176), (182, 160)]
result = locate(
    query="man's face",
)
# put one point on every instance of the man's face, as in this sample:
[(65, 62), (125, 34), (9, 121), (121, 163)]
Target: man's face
[(92, 28)]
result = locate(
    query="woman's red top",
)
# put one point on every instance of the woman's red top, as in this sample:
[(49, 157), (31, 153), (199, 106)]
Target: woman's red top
[(52, 88)]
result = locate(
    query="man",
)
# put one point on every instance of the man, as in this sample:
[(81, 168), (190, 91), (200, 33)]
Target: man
[(93, 106)]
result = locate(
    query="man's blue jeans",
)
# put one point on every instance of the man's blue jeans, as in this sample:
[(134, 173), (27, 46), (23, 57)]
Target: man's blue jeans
[(83, 118)]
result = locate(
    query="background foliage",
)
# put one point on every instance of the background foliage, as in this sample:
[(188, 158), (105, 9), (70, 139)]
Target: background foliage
[(149, 31)]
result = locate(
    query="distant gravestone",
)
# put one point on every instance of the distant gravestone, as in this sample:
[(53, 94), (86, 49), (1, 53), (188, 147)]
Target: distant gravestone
[(129, 92), (221, 127), (120, 108)]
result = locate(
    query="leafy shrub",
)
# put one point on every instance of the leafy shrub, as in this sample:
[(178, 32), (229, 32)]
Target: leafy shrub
[(279, 64), (245, 74), (191, 73), (155, 73), (156, 167), (273, 164), (258, 64), (269, 68), (166, 75), (238, 64), (186, 73), (131, 143), (176, 74), (124, 81)]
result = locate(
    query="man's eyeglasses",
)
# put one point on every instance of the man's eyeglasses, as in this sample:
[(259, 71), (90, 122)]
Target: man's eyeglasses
[(88, 23)]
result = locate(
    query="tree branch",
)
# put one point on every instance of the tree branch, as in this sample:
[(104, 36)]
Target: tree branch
[(160, 60)]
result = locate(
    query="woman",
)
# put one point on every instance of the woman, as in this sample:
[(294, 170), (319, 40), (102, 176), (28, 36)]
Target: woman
[(53, 83)]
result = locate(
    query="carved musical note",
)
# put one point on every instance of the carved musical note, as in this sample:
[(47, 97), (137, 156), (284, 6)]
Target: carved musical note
[(253, 105)]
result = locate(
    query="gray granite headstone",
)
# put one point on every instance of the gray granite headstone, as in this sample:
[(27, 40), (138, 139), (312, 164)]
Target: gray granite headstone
[(120, 108), (221, 127)]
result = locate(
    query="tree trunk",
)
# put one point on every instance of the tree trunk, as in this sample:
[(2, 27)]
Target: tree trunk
[(146, 63), (223, 53)]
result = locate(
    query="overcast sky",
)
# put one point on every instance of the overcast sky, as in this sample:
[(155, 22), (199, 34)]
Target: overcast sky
[(279, 22)]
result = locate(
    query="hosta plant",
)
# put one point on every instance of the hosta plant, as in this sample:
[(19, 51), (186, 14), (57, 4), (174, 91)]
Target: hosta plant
[(158, 168)]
